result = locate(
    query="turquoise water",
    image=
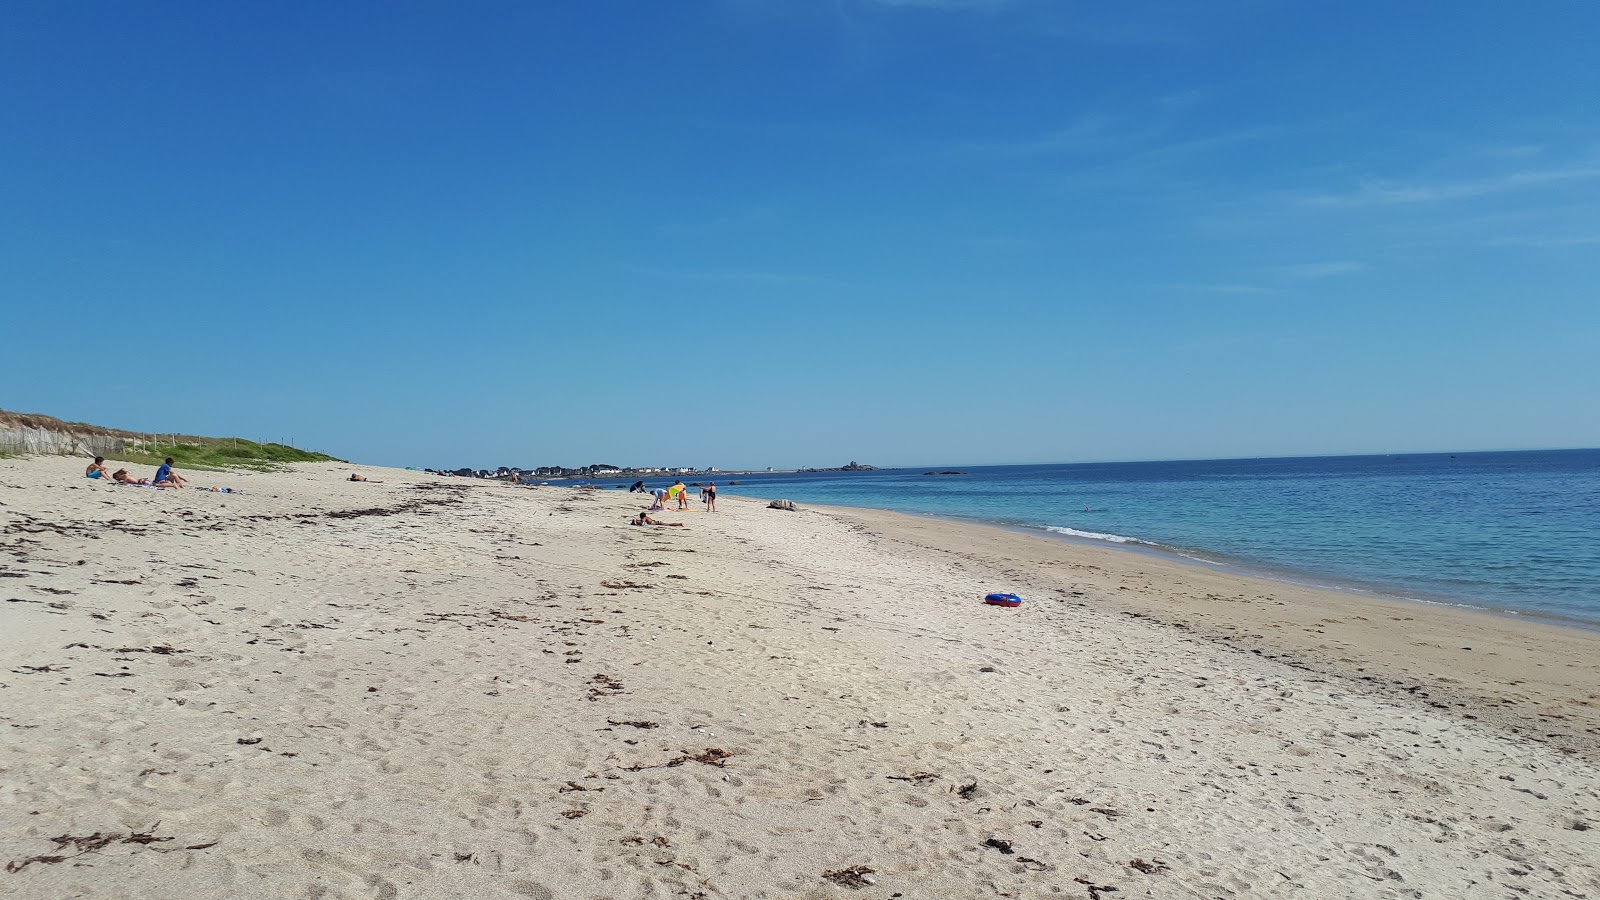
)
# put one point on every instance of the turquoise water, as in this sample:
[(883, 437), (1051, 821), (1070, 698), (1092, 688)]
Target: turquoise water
[(1516, 531)]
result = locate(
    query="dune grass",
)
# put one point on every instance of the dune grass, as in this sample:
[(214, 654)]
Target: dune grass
[(218, 453), (187, 451)]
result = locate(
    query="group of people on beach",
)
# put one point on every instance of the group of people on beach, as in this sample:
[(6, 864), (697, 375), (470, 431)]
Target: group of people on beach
[(166, 476), (677, 492)]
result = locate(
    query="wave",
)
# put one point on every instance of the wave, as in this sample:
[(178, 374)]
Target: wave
[(1093, 535)]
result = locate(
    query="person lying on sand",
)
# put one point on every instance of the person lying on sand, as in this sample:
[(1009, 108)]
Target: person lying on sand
[(357, 476), (644, 519), (121, 476), (97, 469), (165, 477)]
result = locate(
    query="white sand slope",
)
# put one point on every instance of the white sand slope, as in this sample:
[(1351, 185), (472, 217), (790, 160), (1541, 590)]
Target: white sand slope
[(446, 688)]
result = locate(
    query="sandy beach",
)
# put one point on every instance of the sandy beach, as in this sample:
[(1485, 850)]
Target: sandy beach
[(438, 687)]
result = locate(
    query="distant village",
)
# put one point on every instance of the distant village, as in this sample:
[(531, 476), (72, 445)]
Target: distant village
[(519, 475), (597, 470)]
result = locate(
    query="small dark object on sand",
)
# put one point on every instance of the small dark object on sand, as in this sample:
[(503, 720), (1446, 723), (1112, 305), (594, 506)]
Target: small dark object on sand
[(93, 843), (1004, 846), (713, 756), (967, 790), (917, 777), (1148, 868), (1037, 865), (853, 877), (1095, 890)]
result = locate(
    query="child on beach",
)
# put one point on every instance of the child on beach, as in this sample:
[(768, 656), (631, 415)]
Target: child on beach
[(681, 492), (165, 477), (97, 469), (644, 519)]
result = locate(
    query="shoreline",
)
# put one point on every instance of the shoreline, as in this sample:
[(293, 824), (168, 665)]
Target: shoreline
[(1448, 564), (1469, 661), (428, 687), (1245, 569)]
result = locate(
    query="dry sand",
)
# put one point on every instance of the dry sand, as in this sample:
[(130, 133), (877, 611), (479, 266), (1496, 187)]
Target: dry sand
[(446, 688)]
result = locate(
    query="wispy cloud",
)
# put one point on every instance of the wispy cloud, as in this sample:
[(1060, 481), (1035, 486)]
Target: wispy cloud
[(1380, 193), (1193, 146), (742, 276), (1317, 270), (733, 222), (1002, 242), (1087, 135), (952, 5), (1224, 288), (1109, 145), (1546, 240)]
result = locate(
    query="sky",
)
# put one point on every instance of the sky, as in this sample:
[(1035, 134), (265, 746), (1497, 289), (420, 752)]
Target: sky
[(750, 233)]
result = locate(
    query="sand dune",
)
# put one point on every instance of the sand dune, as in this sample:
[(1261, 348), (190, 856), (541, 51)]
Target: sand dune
[(447, 688)]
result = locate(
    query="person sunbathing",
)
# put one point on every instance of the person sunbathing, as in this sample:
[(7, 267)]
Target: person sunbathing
[(644, 519), (357, 476), (121, 476)]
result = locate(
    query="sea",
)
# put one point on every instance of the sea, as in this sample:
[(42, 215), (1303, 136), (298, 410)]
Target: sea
[(1516, 532)]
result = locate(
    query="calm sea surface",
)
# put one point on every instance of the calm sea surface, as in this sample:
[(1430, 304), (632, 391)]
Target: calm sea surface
[(1513, 531)]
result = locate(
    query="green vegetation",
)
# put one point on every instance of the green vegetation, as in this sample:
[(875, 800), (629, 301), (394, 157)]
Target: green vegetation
[(217, 453), (187, 451)]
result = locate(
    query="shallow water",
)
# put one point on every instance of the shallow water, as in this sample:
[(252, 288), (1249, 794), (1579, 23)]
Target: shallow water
[(1518, 531)]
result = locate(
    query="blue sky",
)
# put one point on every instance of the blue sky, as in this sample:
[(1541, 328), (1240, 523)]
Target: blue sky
[(799, 232)]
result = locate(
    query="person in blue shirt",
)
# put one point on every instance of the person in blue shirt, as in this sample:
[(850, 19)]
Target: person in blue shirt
[(165, 477)]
